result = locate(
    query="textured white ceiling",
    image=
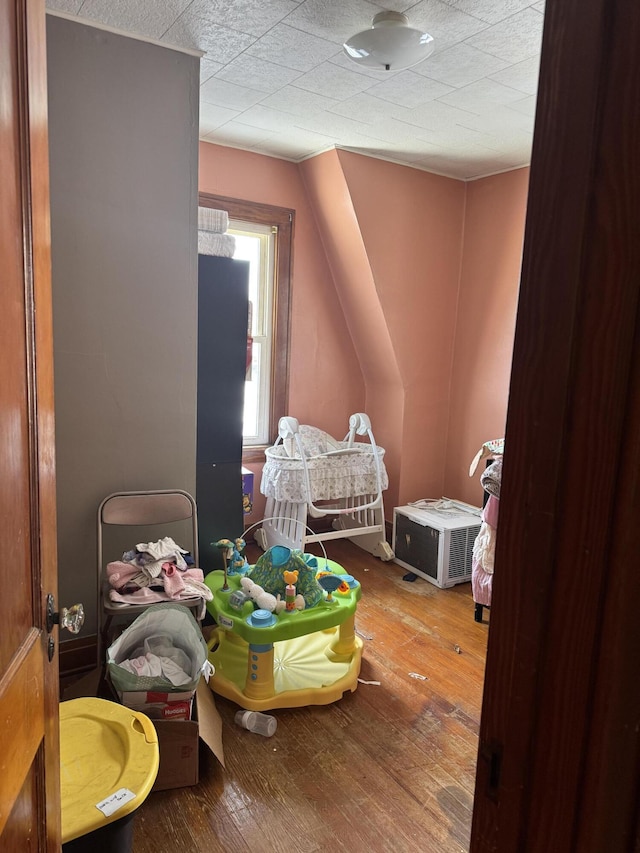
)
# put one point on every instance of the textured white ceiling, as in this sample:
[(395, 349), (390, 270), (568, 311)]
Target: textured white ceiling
[(274, 78)]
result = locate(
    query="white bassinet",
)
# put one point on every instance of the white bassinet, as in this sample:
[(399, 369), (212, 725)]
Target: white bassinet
[(307, 466)]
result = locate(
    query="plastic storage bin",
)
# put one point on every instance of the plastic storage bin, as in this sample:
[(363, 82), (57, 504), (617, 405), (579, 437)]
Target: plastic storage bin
[(109, 760)]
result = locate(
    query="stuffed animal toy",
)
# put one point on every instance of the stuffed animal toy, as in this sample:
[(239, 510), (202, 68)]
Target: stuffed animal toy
[(264, 600)]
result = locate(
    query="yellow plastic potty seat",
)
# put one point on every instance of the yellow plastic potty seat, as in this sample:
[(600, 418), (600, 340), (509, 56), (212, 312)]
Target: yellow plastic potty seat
[(105, 749)]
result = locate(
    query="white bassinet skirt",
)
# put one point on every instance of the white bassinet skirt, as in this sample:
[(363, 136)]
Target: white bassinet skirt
[(331, 476)]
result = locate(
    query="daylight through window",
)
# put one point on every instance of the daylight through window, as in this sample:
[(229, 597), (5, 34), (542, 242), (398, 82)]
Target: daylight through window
[(255, 244)]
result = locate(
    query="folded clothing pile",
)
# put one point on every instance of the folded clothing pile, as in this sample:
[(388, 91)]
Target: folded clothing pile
[(155, 571)]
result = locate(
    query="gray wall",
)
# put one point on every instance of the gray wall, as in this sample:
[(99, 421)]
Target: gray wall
[(123, 119)]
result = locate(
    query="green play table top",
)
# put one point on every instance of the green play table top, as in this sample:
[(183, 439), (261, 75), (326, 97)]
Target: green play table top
[(287, 624)]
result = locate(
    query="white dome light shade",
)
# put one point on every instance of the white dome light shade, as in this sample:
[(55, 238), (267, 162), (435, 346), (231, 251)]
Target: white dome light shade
[(390, 44)]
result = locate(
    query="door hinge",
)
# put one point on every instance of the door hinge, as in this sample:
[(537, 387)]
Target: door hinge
[(491, 753)]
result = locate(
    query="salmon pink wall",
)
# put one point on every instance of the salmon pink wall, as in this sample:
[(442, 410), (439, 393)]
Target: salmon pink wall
[(411, 221), (350, 265), (326, 384), (404, 296), (489, 277), (393, 239)]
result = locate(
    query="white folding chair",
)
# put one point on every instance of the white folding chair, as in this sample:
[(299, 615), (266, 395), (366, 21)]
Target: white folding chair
[(140, 509)]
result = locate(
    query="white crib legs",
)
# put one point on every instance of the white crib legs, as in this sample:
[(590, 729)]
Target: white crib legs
[(365, 527), (285, 524)]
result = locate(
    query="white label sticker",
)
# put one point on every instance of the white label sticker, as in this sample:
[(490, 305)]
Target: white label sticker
[(225, 621), (111, 804)]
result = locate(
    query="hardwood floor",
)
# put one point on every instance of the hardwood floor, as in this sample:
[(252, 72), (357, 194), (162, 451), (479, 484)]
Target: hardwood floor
[(386, 768)]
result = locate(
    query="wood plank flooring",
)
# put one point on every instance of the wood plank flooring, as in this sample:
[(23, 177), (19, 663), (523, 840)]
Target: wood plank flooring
[(386, 768)]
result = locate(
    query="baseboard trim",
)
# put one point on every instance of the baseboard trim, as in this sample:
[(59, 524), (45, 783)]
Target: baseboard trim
[(78, 655)]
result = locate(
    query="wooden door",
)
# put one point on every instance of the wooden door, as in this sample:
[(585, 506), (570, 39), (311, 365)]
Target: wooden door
[(29, 749), (559, 761)]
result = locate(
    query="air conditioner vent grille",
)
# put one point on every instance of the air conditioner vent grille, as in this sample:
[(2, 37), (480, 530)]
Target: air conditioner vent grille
[(461, 551)]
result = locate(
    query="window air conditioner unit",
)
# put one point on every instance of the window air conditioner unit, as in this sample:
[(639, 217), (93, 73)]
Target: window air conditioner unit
[(434, 539)]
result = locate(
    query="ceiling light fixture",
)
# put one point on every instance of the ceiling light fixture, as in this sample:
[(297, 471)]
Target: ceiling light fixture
[(389, 44)]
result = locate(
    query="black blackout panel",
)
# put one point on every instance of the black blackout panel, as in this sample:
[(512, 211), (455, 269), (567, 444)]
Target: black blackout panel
[(220, 516), (417, 545), (223, 298)]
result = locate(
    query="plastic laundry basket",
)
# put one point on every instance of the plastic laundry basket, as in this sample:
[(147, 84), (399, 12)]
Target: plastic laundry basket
[(109, 760)]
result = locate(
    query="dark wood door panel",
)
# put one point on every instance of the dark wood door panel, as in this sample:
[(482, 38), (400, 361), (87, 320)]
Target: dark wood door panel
[(558, 762)]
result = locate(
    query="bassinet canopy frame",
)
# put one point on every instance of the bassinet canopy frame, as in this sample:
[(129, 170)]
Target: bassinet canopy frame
[(358, 515)]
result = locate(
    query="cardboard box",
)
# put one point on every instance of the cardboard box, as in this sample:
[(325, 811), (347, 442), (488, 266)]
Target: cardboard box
[(159, 706), (178, 742)]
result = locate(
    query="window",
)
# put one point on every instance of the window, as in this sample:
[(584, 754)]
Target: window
[(255, 244), (263, 237)]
